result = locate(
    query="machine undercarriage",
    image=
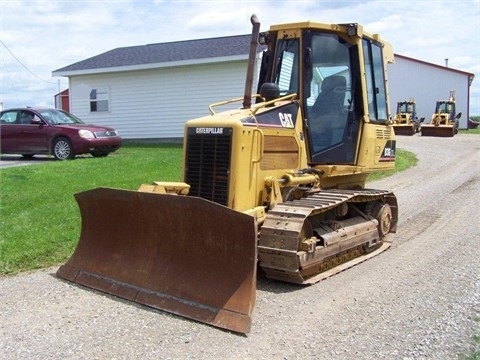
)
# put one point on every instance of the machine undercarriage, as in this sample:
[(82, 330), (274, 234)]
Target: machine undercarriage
[(304, 241)]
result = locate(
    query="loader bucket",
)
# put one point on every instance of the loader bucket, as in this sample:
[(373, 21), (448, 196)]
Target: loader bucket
[(185, 255), (404, 130), (440, 131)]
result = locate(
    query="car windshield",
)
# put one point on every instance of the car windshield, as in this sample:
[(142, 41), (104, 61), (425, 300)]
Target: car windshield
[(58, 117)]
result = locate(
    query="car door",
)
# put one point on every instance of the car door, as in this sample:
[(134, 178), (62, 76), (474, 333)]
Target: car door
[(9, 132), (35, 133)]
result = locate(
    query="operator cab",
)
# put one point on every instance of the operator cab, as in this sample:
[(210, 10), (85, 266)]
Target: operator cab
[(330, 65)]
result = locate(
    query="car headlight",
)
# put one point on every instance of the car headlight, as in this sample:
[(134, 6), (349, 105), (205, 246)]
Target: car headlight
[(86, 134)]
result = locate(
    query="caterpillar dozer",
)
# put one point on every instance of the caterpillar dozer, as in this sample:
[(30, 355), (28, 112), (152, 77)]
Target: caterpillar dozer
[(444, 121), (275, 184), (406, 120)]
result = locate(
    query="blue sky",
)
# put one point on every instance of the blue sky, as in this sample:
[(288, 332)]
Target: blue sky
[(40, 36)]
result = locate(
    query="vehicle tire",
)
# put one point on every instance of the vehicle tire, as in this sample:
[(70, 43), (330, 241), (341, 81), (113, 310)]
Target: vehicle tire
[(99, 153), (28, 156), (62, 149)]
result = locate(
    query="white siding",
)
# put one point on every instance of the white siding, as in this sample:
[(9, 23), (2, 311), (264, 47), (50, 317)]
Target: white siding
[(427, 84), (156, 103)]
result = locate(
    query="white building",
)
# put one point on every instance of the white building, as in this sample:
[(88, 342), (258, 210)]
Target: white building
[(149, 91), (427, 83)]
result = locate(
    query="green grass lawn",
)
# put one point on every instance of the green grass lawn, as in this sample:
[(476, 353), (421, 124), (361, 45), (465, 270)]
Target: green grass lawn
[(404, 159), (39, 217), (470, 131)]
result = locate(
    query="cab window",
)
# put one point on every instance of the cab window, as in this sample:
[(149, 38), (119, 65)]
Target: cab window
[(375, 80)]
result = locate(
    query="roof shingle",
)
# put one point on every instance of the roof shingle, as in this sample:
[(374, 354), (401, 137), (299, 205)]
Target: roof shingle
[(165, 52)]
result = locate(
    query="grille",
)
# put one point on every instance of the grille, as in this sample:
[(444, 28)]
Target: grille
[(104, 134), (384, 133), (207, 161)]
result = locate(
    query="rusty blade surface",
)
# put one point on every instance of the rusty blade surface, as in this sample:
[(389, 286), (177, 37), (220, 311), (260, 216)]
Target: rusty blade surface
[(184, 255)]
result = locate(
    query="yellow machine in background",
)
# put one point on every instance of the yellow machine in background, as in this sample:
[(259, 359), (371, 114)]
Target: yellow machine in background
[(444, 121), (279, 184), (406, 121)]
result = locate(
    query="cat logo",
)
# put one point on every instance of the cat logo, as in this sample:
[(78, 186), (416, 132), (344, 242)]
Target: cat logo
[(286, 120)]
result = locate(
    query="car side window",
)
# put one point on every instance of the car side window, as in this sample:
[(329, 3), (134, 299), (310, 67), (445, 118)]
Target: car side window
[(25, 117), (8, 117)]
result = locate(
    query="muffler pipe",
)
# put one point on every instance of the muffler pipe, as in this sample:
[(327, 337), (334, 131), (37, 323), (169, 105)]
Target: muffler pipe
[(247, 97)]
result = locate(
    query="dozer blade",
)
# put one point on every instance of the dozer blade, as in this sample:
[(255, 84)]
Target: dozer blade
[(440, 131), (185, 255)]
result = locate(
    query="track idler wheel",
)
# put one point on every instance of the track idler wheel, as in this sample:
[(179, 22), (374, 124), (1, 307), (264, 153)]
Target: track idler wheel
[(383, 214)]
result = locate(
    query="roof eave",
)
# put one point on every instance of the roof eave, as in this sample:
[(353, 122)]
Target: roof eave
[(150, 66)]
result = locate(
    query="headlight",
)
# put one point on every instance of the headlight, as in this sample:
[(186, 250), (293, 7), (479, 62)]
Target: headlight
[(86, 134)]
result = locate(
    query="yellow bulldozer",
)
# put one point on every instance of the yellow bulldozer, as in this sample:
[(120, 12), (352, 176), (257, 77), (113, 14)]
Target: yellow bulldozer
[(444, 121), (276, 185), (406, 121)]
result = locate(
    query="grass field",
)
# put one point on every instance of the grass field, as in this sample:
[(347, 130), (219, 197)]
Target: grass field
[(470, 131), (39, 217)]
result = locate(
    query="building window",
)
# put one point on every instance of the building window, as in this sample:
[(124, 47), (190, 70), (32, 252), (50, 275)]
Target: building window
[(99, 99)]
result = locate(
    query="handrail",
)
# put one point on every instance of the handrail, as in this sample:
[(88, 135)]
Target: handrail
[(225, 102), (255, 107), (271, 102)]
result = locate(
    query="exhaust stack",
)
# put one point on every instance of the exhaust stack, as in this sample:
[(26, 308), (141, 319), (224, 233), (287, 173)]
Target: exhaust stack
[(247, 97)]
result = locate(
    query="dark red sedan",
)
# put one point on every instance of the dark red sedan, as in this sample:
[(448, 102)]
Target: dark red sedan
[(29, 131)]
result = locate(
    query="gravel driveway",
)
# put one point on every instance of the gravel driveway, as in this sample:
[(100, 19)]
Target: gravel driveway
[(418, 300), (19, 160)]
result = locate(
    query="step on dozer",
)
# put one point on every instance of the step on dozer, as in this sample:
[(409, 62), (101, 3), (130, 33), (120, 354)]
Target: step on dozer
[(181, 254)]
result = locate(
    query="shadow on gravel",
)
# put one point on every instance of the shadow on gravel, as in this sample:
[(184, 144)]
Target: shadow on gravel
[(275, 286)]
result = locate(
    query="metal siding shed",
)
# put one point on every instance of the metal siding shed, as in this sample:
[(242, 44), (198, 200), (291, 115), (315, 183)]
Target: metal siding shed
[(427, 83)]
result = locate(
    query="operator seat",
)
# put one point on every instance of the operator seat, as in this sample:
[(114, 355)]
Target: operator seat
[(332, 96), (327, 117)]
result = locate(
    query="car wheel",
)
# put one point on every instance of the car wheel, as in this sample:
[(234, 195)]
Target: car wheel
[(28, 156), (62, 149), (99, 153)]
